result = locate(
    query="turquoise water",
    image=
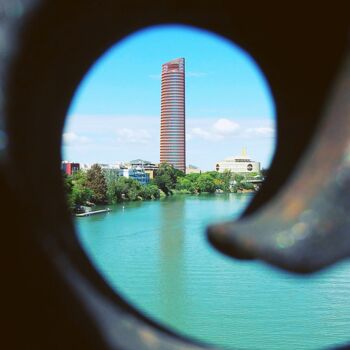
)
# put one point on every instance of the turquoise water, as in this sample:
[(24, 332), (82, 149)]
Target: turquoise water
[(156, 255)]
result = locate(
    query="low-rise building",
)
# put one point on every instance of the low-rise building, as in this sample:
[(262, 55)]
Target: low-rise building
[(240, 164), (137, 174), (191, 169), (85, 166), (69, 168), (103, 166), (139, 170), (147, 166)]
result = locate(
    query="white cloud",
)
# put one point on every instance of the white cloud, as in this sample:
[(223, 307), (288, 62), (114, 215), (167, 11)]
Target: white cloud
[(204, 134), (71, 138), (260, 132), (225, 126), (106, 138), (127, 135), (216, 131)]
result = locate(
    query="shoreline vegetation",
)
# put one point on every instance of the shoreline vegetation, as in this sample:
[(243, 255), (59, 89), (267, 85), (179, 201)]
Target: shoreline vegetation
[(99, 187)]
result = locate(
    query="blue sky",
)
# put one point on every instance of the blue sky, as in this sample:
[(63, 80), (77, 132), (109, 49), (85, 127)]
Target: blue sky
[(115, 113)]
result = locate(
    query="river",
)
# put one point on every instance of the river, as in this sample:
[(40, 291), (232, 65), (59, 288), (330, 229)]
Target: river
[(156, 255)]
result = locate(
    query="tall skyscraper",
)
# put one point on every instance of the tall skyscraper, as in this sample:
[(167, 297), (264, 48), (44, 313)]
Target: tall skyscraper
[(172, 125)]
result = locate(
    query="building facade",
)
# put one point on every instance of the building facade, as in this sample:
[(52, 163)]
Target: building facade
[(172, 125), (148, 167), (137, 174), (69, 168), (240, 164), (191, 169)]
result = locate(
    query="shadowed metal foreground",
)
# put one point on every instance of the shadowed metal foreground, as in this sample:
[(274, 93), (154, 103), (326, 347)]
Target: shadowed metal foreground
[(307, 225), (54, 298)]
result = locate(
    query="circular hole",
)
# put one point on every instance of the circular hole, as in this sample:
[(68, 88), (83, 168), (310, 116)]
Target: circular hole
[(115, 116), (154, 251)]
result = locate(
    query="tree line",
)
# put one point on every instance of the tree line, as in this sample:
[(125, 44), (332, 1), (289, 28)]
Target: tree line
[(97, 186), (170, 180)]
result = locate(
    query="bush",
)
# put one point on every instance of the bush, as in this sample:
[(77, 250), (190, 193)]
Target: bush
[(123, 188), (184, 184), (77, 191), (205, 183), (150, 192)]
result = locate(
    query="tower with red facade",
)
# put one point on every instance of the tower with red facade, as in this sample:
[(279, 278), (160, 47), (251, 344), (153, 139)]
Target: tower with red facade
[(172, 125)]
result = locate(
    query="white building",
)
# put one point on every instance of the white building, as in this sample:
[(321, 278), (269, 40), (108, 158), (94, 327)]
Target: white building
[(191, 169), (240, 164), (104, 166)]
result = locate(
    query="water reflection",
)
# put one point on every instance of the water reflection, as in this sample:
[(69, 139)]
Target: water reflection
[(156, 255), (171, 261)]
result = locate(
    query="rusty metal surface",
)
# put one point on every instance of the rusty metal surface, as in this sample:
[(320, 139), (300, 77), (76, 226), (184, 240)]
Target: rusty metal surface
[(307, 226)]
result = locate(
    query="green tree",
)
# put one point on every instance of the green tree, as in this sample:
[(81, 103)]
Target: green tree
[(81, 193), (213, 174), (248, 186), (110, 175), (76, 190), (68, 188), (179, 173), (238, 177), (166, 177), (226, 178), (206, 183), (95, 181), (118, 189), (193, 177), (123, 188), (185, 184), (219, 184), (150, 191), (240, 183), (154, 190)]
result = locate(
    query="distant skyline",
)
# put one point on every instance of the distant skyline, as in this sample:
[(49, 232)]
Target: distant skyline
[(115, 113)]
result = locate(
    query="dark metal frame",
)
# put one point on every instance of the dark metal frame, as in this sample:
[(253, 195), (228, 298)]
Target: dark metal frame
[(54, 298)]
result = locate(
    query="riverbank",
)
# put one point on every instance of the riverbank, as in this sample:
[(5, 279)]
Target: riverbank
[(98, 187), (105, 208)]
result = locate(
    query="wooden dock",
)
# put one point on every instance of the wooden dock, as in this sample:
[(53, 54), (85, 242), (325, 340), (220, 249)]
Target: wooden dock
[(89, 213)]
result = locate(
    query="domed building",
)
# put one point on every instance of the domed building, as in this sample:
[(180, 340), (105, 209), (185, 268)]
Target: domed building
[(240, 164)]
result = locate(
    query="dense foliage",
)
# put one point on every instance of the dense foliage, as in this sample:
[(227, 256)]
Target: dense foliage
[(166, 177), (124, 188), (97, 186), (96, 181), (213, 181), (77, 191)]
